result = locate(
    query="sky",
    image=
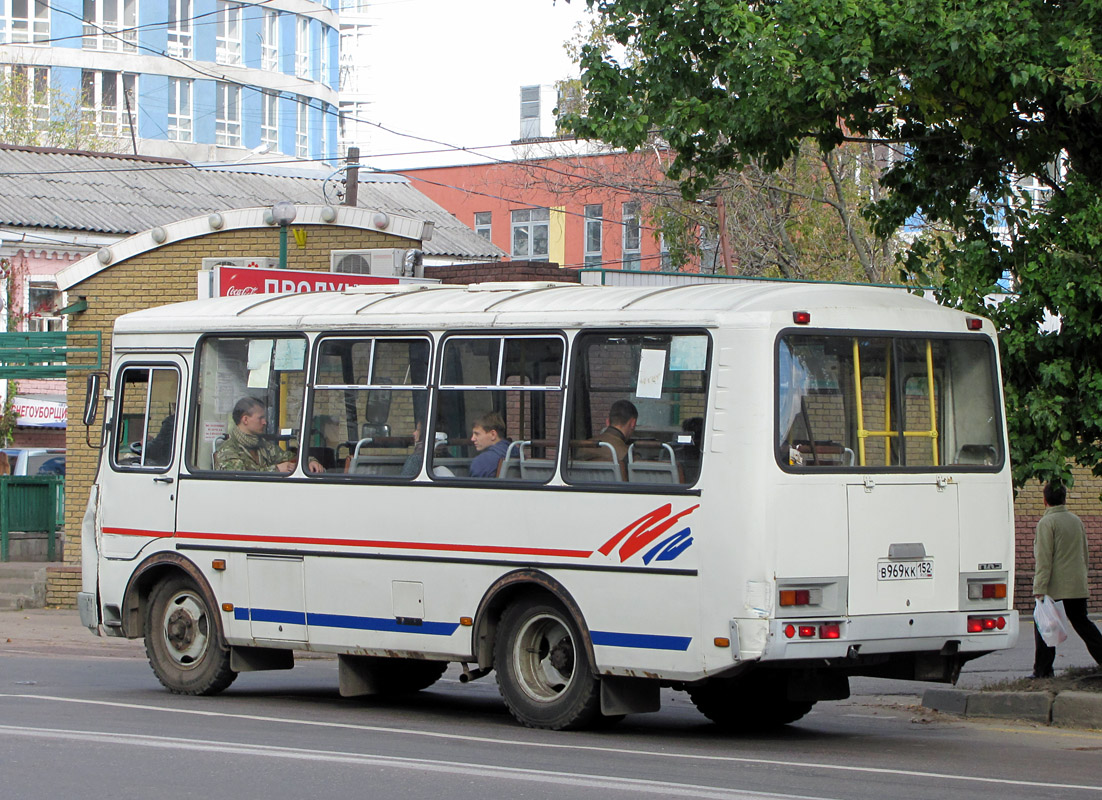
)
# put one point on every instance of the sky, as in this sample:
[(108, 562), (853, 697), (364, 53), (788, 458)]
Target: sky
[(451, 71)]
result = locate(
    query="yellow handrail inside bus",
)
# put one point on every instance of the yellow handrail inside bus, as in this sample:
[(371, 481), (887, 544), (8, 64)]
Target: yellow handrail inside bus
[(887, 433)]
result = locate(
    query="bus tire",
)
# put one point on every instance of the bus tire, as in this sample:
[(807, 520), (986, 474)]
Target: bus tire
[(542, 670), (183, 641), (754, 703)]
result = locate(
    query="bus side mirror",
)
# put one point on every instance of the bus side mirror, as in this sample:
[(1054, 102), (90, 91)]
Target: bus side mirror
[(91, 399)]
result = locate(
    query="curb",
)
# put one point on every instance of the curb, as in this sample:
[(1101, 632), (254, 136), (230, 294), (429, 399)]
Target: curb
[(1067, 709)]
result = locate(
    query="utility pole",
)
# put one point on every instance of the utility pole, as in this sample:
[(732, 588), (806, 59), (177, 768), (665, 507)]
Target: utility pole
[(352, 177)]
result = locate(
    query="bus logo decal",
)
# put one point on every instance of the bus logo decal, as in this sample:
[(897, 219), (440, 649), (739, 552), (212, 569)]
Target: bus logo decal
[(646, 529)]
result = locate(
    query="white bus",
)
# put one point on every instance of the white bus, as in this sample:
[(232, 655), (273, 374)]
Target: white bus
[(816, 487)]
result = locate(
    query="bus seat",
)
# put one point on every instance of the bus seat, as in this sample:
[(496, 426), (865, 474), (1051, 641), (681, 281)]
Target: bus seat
[(976, 454), (593, 462), (459, 467), (655, 470), (214, 448), (509, 468)]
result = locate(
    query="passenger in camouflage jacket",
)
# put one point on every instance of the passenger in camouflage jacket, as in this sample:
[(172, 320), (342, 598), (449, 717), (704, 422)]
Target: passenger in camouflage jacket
[(246, 451)]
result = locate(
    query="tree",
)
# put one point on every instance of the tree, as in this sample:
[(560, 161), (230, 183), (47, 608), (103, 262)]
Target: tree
[(982, 98), (32, 114)]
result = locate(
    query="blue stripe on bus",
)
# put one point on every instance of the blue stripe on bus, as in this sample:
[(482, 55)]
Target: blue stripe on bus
[(343, 621), (645, 641)]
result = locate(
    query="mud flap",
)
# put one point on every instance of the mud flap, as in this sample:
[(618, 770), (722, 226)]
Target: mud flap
[(629, 695)]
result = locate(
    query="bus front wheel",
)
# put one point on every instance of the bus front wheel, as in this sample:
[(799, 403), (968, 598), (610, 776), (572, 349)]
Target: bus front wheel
[(182, 639), (542, 670)]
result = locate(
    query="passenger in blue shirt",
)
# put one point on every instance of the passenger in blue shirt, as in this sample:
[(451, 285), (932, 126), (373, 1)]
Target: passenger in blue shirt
[(489, 439)]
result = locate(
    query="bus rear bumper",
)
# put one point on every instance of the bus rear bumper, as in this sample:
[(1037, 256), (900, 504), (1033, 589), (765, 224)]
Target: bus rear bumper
[(941, 632)]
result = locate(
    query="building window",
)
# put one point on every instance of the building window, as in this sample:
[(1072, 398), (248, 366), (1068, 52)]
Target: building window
[(43, 302), (29, 22), (179, 28), (482, 224), (269, 41), (107, 101), (302, 129), (227, 115), (326, 32), (228, 34), (302, 48), (269, 120), (630, 218), (530, 233), (111, 25), (594, 241), (31, 85), (179, 110), (529, 112)]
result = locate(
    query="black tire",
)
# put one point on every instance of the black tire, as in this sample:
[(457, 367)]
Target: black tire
[(405, 675), (542, 670), (183, 640), (754, 703)]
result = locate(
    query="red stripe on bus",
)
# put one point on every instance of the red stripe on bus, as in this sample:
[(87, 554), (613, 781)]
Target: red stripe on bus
[(454, 548), (139, 532)]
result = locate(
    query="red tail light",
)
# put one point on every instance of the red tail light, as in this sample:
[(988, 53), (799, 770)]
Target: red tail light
[(807, 631), (830, 630)]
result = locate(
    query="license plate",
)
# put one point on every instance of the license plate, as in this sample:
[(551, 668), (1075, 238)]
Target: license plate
[(905, 570)]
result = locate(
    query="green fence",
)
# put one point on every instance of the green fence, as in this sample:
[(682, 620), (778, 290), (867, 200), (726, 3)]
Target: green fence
[(31, 503)]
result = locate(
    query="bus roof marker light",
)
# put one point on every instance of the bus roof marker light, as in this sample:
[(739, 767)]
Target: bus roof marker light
[(974, 323), (801, 317)]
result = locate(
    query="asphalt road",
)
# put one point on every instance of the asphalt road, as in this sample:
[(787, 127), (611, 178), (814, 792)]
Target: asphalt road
[(91, 721)]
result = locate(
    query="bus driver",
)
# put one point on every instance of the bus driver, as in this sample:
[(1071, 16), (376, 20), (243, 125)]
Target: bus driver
[(244, 450)]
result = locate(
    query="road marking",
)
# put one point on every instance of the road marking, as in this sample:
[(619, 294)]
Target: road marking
[(892, 771), (581, 780)]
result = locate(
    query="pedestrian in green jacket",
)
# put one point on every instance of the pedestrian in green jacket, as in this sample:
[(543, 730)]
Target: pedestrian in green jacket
[(1060, 553)]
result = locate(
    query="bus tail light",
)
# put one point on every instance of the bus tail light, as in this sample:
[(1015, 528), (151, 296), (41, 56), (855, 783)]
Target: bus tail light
[(830, 630), (983, 624), (800, 597), (986, 591), (807, 631)]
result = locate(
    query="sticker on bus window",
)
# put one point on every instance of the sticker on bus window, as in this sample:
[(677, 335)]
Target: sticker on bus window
[(652, 366), (290, 354), (688, 353)]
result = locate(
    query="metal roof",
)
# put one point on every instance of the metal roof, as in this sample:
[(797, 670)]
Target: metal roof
[(555, 304), (122, 195)]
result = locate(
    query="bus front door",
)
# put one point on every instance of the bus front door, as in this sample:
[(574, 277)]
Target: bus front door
[(139, 479)]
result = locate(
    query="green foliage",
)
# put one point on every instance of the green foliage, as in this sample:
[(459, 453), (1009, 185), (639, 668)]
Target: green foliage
[(978, 95)]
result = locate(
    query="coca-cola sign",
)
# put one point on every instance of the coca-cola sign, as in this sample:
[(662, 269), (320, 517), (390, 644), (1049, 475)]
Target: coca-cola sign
[(239, 281)]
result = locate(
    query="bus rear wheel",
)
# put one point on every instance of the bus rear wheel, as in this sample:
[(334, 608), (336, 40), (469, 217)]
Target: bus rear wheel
[(542, 670), (183, 641), (754, 703)]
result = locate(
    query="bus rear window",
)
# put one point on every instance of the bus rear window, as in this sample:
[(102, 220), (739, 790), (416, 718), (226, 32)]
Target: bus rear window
[(862, 402)]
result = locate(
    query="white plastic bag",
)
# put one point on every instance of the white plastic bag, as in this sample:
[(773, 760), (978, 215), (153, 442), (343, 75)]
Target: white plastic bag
[(1050, 620)]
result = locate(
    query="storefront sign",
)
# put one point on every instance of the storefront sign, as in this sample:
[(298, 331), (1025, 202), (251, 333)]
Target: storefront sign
[(234, 281), (39, 413)]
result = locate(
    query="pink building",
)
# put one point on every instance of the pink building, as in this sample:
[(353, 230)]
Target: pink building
[(572, 210)]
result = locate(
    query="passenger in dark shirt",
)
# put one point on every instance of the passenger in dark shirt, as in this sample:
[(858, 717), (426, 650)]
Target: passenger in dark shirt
[(488, 435)]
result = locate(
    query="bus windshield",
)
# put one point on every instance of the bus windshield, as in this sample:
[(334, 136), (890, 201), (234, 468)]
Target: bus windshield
[(887, 402)]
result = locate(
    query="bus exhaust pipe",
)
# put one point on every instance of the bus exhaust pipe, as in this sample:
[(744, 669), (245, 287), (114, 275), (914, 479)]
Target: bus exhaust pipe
[(473, 674)]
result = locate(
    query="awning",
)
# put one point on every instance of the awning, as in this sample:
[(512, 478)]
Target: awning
[(40, 411)]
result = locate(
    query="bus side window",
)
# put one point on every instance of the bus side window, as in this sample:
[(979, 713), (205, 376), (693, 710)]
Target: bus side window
[(368, 407), (510, 385), (263, 378), (638, 408)]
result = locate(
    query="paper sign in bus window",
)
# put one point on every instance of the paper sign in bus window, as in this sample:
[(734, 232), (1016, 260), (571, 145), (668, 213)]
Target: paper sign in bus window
[(688, 353), (652, 366), (290, 354), (260, 363)]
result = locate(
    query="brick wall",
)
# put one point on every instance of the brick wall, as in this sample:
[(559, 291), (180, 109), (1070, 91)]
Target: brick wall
[(1083, 499)]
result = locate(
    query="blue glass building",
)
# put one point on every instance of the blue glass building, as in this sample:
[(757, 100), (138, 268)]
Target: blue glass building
[(203, 80)]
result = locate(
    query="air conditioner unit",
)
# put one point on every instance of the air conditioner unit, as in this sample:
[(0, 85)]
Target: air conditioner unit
[(261, 262), (391, 262)]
